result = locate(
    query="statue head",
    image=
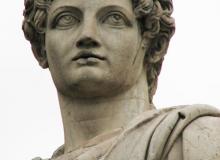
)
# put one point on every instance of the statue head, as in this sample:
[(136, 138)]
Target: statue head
[(154, 22)]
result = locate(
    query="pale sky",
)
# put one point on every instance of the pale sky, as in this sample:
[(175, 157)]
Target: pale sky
[(30, 120)]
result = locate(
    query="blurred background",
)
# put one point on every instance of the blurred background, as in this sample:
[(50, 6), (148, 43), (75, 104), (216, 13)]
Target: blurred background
[(30, 120)]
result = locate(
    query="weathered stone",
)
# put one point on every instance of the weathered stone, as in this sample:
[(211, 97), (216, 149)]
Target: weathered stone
[(105, 57)]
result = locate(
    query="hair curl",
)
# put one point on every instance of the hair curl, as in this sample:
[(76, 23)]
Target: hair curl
[(154, 18)]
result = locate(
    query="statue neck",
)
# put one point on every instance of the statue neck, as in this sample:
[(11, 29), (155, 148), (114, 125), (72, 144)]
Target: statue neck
[(84, 119)]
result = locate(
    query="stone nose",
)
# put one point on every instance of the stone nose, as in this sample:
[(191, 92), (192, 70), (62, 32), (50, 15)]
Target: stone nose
[(87, 43), (89, 36)]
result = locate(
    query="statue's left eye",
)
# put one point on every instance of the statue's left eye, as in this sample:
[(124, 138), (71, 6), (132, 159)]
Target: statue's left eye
[(66, 20), (115, 19)]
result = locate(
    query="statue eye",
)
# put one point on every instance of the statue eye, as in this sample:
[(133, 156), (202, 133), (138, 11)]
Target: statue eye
[(66, 20), (115, 20)]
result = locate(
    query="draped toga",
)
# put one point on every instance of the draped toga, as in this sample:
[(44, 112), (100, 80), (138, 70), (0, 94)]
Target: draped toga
[(155, 135)]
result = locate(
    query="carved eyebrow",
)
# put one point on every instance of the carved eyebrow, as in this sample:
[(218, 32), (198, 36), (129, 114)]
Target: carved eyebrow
[(107, 9), (54, 13), (65, 8)]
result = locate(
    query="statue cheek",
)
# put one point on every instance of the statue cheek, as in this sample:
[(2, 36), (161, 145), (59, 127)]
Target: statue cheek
[(57, 47)]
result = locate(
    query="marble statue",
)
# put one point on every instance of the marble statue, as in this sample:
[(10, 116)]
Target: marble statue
[(104, 57)]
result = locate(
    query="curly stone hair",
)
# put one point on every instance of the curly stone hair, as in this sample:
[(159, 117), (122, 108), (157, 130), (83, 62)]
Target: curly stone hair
[(154, 18)]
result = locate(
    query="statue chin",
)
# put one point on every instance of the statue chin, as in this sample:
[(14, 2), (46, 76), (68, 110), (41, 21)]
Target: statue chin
[(90, 83), (91, 88)]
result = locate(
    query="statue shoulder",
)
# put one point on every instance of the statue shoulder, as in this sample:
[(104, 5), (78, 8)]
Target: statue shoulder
[(201, 139)]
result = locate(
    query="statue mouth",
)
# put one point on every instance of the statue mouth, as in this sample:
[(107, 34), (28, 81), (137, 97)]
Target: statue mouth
[(87, 55)]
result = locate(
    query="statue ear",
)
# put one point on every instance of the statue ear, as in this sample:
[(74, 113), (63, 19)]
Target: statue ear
[(158, 49), (41, 56)]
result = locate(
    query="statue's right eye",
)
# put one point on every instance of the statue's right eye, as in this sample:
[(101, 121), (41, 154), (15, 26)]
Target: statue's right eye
[(65, 21)]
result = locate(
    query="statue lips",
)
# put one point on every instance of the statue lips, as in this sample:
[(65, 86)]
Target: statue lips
[(87, 58)]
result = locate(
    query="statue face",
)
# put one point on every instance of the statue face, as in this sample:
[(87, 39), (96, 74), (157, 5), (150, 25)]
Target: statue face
[(94, 48)]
